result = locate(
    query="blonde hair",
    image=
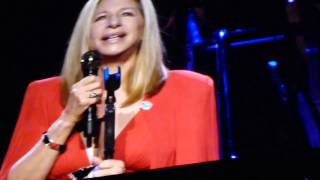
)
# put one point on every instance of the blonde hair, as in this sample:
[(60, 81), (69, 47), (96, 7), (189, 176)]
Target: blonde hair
[(148, 72)]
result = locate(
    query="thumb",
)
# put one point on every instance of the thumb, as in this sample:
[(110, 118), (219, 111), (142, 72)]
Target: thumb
[(97, 160)]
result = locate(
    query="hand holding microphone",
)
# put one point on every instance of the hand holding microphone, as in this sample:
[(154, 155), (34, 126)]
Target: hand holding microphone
[(85, 93), (90, 62), (79, 98)]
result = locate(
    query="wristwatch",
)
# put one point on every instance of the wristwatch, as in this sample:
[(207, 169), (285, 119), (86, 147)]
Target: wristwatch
[(51, 144)]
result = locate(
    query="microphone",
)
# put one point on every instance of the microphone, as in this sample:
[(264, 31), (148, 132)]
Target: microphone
[(90, 62), (112, 82)]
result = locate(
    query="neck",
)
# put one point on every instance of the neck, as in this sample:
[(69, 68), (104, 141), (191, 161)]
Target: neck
[(125, 61)]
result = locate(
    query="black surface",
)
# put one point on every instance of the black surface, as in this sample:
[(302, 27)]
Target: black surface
[(300, 166)]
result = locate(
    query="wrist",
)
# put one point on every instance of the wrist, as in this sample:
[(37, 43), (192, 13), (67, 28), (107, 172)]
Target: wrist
[(68, 119), (60, 130), (52, 144)]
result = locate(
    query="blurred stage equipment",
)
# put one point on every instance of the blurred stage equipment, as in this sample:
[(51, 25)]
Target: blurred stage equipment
[(253, 58)]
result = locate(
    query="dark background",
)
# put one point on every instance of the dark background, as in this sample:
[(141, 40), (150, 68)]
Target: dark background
[(37, 33)]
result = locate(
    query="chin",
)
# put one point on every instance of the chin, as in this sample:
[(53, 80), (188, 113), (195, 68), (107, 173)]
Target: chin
[(114, 51), (111, 53)]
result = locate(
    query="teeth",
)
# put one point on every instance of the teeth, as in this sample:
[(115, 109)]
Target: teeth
[(113, 36)]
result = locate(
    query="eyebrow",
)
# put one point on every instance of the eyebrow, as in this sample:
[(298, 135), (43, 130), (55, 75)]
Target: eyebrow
[(122, 9)]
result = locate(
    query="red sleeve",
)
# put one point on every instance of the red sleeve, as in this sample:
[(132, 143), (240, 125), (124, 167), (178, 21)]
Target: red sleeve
[(198, 136), (29, 127)]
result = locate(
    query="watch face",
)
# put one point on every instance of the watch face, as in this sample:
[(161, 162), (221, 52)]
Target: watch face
[(45, 138), (50, 143)]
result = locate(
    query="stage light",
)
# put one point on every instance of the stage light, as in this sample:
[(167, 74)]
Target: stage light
[(222, 33), (272, 63), (232, 156), (291, 1), (194, 35)]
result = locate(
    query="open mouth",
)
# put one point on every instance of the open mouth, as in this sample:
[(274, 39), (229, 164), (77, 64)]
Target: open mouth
[(113, 37)]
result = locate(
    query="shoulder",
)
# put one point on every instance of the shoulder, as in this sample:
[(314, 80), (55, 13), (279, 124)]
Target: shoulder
[(47, 86), (48, 83), (188, 78), (187, 85)]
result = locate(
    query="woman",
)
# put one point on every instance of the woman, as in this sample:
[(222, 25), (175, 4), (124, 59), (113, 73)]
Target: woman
[(163, 118)]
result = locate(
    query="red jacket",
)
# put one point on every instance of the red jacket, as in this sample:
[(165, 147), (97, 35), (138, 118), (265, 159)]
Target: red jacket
[(180, 128)]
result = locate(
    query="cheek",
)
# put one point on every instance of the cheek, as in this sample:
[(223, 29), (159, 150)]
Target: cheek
[(140, 35), (91, 41), (139, 30), (93, 36), (95, 31)]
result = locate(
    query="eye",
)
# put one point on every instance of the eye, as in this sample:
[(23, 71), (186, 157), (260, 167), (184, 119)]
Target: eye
[(99, 18), (127, 13)]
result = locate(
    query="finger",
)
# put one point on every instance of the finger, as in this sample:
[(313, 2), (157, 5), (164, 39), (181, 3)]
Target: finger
[(103, 96), (119, 163), (89, 79), (111, 163), (97, 93), (97, 160), (106, 164), (84, 91), (109, 171), (84, 100), (92, 86), (87, 97)]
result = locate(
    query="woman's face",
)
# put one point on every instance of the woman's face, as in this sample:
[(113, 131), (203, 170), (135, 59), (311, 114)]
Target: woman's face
[(117, 26)]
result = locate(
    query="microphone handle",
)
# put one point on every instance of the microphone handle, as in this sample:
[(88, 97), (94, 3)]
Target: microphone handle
[(91, 120), (90, 131)]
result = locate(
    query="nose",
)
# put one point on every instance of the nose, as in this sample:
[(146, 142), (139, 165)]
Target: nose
[(114, 21)]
